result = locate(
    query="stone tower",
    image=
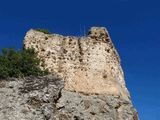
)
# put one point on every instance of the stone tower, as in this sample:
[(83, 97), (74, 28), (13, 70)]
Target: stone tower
[(88, 64), (87, 81)]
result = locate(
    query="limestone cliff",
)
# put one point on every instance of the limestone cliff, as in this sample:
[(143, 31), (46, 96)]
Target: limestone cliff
[(87, 81)]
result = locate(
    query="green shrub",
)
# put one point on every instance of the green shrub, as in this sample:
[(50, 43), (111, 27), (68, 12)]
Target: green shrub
[(45, 31), (20, 63)]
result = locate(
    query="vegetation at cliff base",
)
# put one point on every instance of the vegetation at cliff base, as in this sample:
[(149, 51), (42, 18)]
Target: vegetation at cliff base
[(19, 63), (45, 31)]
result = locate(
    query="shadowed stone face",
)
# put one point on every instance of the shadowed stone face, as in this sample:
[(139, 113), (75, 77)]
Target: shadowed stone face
[(88, 64)]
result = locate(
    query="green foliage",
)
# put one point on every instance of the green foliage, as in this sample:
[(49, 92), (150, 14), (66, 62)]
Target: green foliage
[(45, 31), (19, 63)]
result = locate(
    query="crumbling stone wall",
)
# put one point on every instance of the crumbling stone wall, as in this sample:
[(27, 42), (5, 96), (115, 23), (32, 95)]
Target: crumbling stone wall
[(88, 64)]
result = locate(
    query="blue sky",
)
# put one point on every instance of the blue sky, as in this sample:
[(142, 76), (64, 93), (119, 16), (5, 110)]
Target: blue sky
[(134, 26)]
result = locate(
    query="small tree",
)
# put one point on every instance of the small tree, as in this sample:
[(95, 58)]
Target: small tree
[(20, 63)]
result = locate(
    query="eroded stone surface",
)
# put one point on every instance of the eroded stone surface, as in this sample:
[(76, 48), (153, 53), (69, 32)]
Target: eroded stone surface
[(32, 98), (94, 107), (87, 64), (43, 98)]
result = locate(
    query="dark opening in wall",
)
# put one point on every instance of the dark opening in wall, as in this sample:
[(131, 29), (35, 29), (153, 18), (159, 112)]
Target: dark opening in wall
[(42, 50), (65, 51), (46, 38), (104, 76), (108, 50), (80, 60)]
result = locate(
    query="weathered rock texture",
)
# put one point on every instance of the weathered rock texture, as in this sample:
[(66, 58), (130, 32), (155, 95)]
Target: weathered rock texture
[(43, 98), (87, 81), (87, 64), (30, 98)]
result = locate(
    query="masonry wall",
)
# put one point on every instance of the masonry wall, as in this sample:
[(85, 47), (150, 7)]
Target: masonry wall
[(88, 64)]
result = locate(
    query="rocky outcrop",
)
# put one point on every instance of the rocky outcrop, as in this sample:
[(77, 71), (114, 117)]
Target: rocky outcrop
[(86, 81), (44, 98), (32, 98)]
